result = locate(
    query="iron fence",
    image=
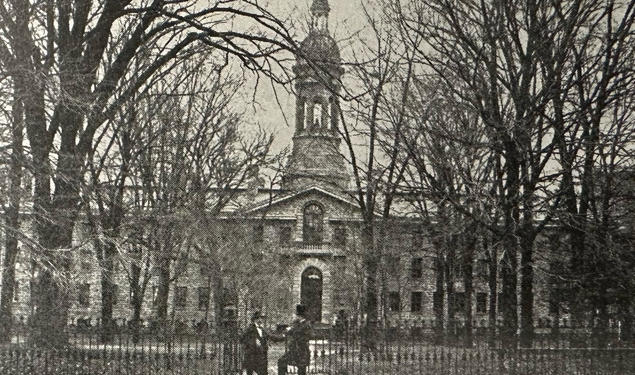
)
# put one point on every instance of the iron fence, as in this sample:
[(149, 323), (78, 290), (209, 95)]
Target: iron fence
[(428, 352), (333, 351)]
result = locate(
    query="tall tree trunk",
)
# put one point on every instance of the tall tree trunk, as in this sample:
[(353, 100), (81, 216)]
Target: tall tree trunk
[(449, 265), (107, 286), (526, 289), (468, 283), (440, 290), (137, 293), (218, 294), (492, 283), (12, 213), (509, 266), (52, 307), (52, 303), (163, 291), (371, 264)]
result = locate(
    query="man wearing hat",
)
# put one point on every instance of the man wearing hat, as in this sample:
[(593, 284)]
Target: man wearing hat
[(255, 347), (298, 353)]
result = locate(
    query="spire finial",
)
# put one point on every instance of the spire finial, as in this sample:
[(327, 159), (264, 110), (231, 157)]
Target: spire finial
[(320, 10)]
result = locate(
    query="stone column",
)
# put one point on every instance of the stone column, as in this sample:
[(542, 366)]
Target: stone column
[(324, 118), (299, 113), (309, 115), (334, 115)]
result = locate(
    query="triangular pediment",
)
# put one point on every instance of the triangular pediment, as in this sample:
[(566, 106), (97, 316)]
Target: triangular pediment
[(290, 204)]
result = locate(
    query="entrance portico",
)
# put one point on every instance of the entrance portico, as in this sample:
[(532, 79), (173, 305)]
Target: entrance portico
[(312, 287), (311, 293)]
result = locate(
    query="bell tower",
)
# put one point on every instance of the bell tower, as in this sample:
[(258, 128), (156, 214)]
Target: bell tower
[(315, 158)]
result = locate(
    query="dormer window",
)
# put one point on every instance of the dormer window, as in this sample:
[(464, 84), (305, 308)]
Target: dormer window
[(313, 224)]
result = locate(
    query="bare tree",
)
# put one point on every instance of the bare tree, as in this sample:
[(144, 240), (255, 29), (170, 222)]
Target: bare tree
[(589, 69), (74, 79), (382, 71), (451, 181), (513, 64), (14, 192), (192, 171)]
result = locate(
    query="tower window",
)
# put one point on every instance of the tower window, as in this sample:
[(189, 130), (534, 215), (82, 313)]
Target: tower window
[(417, 268), (313, 217), (317, 115), (327, 114), (155, 296)]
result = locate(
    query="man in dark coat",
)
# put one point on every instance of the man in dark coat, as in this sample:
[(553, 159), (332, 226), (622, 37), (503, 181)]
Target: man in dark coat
[(254, 342), (298, 353)]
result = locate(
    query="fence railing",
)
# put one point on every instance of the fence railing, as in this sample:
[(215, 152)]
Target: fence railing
[(385, 351), (333, 351), (126, 353)]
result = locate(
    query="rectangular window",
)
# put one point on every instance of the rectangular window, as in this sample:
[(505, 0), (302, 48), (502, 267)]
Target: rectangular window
[(203, 298), (258, 233), (393, 263), (417, 268), (285, 236), (554, 304), (204, 269), (459, 301), (458, 271), (16, 291), (394, 302), (417, 241), (416, 301), (482, 268), (84, 295), (499, 303), (481, 302), (115, 294), (339, 236), (437, 301), (180, 296)]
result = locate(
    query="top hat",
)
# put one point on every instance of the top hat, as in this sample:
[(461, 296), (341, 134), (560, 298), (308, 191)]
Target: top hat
[(257, 315), (300, 310)]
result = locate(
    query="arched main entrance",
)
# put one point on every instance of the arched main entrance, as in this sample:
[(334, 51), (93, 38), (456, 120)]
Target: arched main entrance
[(311, 293)]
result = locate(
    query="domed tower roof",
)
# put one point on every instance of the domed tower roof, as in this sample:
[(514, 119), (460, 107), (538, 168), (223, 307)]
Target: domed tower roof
[(320, 47)]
